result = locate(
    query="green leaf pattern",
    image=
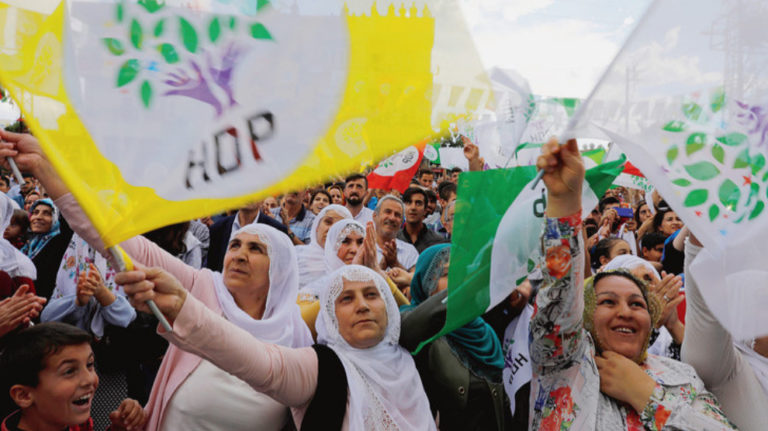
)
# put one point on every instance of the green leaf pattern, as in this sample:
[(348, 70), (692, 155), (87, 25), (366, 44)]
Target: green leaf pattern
[(146, 93), (214, 30), (128, 72), (137, 23), (713, 179), (114, 46), (137, 34), (188, 35)]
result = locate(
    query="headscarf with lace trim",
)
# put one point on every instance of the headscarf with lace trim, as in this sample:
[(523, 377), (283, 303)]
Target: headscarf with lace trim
[(385, 390), (311, 257)]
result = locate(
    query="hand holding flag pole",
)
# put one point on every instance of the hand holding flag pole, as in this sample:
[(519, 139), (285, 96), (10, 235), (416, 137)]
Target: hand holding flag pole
[(32, 158), (566, 136), (124, 263)]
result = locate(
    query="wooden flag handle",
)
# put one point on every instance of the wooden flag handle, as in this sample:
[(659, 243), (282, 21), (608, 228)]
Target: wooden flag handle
[(124, 263)]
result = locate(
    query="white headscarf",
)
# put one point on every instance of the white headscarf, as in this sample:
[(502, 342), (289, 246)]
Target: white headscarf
[(385, 391), (12, 261), (336, 235), (630, 262), (281, 323), (310, 256)]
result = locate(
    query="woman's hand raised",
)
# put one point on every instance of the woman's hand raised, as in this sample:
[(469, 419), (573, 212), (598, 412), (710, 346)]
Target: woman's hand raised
[(156, 284), (29, 156), (563, 175)]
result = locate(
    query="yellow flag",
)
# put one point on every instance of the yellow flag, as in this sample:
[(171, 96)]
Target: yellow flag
[(159, 111)]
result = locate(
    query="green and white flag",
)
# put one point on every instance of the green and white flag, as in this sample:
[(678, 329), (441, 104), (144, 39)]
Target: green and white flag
[(432, 152), (496, 233)]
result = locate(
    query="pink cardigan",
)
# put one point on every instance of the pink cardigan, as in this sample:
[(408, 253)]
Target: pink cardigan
[(285, 374)]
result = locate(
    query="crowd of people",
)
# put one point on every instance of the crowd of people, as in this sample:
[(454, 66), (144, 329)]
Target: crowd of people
[(301, 311)]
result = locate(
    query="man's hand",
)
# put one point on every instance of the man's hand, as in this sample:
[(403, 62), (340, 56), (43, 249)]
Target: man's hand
[(156, 284), (624, 380), (129, 416), (389, 250)]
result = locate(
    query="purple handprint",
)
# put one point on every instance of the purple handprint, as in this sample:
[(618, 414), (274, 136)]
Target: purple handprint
[(223, 76), (756, 119), (194, 87)]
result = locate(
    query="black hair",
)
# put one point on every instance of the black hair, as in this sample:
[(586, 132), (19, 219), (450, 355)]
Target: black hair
[(5, 180), (21, 218), (431, 196), (170, 238), (651, 240), (456, 169), (607, 201), (424, 171), (637, 212), (658, 219), (320, 192), (414, 191), (446, 189), (354, 177), (591, 229), (25, 352), (603, 248)]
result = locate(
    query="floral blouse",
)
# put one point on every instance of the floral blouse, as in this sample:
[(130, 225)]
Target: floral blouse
[(565, 388)]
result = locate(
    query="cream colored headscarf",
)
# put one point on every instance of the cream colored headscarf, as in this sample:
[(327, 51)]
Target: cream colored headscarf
[(655, 306)]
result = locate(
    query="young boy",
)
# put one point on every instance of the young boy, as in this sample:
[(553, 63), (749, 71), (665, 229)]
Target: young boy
[(50, 375)]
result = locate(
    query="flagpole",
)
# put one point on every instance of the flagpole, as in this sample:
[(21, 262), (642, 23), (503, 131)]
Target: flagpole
[(16, 171), (117, 255), (566, 136)]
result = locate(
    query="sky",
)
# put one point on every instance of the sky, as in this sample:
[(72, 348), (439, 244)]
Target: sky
[(560, 46)]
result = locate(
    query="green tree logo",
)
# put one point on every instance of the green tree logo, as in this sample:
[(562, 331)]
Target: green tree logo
[(708, 191), (200, 60)]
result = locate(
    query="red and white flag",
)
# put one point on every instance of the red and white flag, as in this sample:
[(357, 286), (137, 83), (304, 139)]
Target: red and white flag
[(395, 172)]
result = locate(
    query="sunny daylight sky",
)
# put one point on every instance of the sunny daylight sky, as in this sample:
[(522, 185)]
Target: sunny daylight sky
[(560, 46)]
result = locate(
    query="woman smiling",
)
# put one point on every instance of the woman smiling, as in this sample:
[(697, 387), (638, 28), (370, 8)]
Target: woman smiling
[(591, 370)]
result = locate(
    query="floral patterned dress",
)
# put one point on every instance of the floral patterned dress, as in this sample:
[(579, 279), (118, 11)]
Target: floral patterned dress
[(566, 384)]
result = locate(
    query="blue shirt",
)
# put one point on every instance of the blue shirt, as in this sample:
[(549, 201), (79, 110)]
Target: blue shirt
[(301, 225)]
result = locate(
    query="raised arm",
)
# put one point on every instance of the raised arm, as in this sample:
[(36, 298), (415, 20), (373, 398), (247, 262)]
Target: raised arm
[(26, 151), (556, 326), (707, 346), (288, 375)]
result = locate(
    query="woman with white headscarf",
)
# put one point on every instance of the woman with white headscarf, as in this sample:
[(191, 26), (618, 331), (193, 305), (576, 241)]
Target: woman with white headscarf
[(256, 292), (667, 337), (311, 257), (344, 239), (15, 264), (356, 378)]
